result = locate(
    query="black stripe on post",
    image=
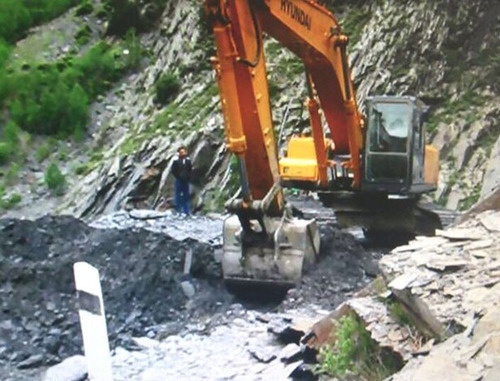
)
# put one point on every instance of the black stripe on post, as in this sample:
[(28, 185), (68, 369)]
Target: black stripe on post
[(88, 302)]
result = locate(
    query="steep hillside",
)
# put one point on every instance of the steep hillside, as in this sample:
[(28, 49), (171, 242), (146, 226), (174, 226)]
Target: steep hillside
[(446, 53)]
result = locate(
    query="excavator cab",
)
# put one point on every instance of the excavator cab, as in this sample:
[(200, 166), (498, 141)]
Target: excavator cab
[(397, 168), (395, 150), (396, 159)]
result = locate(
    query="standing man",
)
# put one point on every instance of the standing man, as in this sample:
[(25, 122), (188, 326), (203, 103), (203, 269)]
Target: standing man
[(181, 168)]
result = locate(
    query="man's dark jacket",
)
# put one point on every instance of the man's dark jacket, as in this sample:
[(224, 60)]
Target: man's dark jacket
[(181, 168)]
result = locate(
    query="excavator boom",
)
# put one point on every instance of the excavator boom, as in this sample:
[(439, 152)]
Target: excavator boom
[(311, 32), (262, 241)]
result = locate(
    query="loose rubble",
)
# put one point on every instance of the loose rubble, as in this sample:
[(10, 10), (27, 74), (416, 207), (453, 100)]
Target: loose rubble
[(448, 286), (203, 229), (151, 304), (450, 278), (72, 369), (141, 273), (469, 356)]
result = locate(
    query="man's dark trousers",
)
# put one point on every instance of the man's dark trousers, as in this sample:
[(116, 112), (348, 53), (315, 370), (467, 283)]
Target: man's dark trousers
[(182, 196)]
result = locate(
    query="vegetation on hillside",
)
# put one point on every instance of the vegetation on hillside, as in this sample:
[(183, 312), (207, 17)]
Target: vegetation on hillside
[(354, 353), (166, 88), (17, 16), (54, 179), (125, 14), (52, 97)]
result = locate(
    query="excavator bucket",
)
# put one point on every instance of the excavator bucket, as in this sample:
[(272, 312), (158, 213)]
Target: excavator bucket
[(271, 259)]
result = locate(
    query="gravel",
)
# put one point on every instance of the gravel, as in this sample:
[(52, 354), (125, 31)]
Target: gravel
[(200, 228)]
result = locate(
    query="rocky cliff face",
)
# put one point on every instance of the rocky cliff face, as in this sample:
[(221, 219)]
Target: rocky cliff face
[(136, 139), (445, 52)]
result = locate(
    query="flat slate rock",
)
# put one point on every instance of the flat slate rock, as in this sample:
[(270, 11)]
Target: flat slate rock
[(447, 278)]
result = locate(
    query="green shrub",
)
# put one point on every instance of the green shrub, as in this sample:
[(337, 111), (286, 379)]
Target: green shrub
[(83, 35), (46, 105), (15, 19), (43, 152), (8, 202), (11, 133), (11, 201), (274, 90), (355, 352), (125, 14), (399, 313), (471, 199), (352, 342), (17, 16), (102, 12), (54, 179), (97, 69), (84, 8), (82, 169), (5, 152), (4, 52), (166, 88), (9, 142), (54, 98), (134, 48), (12, 173)]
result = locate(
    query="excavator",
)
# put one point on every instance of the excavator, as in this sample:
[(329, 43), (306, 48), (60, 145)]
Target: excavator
[(371, 169)]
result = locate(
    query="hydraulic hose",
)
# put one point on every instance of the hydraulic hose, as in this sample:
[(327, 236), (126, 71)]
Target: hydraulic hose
[(256, 27)]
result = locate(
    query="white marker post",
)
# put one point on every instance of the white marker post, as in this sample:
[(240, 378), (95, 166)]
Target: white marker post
[(93, 322)]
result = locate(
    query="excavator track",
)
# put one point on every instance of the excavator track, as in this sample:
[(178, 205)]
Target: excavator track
[(345, 214), (310, 208), (446, 216)]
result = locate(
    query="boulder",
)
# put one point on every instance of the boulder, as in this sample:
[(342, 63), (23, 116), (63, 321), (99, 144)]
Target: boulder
[(71, 369)]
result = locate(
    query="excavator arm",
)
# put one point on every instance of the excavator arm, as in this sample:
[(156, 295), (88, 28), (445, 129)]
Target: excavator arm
[(312, 33), (241, 74)]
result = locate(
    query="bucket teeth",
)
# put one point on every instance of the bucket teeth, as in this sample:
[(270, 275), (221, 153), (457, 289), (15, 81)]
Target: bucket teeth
[(276, 258)]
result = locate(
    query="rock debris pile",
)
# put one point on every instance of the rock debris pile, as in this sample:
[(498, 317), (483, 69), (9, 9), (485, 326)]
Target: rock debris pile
[(452, 284), (454, 275), (442, 288), (203, 229), (156, 330), (141, 275), (345, 267)]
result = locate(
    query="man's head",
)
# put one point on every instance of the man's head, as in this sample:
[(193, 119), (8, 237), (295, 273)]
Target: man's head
[(182, 151)]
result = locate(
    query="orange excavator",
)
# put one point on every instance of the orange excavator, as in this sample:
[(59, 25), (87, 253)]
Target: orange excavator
[(371, 170)]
